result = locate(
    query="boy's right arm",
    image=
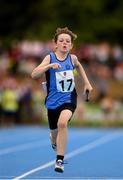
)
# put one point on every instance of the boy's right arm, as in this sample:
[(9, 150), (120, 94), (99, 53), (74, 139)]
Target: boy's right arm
[(43, 67)]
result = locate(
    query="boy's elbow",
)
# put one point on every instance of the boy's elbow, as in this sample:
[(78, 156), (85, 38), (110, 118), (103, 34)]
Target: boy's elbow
[(35, 75), (32, 75)]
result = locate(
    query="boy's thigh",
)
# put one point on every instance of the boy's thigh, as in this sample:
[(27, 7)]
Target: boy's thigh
[(62, 113)]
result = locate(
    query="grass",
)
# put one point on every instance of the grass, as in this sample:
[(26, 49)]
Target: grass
[(90, 121)]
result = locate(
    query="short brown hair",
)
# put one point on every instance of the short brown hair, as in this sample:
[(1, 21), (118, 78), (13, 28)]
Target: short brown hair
[(64, 31)]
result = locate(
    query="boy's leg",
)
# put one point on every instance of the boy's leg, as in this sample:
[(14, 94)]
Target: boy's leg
[(53, 116), (64, 117), (53, 136), (62, 130)]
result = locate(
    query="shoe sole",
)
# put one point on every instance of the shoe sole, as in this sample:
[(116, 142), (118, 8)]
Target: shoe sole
[(59, 170)]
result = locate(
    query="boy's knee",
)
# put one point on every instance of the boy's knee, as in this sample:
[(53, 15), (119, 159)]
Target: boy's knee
[(62, 125)]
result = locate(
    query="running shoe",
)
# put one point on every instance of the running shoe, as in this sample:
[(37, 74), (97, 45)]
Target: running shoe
[(59, 166), (54, 147)]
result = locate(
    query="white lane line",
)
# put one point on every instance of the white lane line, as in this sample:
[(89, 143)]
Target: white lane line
[(24, 147), (82, 149), (82, 178), (9, 139), (93, 144), (69, 177)]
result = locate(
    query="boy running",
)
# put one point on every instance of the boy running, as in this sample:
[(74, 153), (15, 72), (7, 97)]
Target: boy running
[(61, 100)]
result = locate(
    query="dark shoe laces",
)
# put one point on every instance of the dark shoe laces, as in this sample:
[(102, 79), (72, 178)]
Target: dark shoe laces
[(63, 162)]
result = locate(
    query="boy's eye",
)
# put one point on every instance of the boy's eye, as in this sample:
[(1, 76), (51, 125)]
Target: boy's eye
[(61, 40)]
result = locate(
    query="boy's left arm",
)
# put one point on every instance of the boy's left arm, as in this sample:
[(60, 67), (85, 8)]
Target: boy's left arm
[(81, 71)]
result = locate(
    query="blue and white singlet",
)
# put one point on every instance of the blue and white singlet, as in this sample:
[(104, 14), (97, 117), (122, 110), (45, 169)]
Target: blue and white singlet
[(60, 83)]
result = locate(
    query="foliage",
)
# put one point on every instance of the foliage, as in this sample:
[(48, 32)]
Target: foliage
[(98, 20)]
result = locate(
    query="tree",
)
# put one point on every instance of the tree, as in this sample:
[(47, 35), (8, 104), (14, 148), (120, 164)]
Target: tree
[(97, 20)]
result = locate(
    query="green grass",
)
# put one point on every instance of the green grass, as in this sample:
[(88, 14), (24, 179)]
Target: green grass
[(96, 123), (93, 109)]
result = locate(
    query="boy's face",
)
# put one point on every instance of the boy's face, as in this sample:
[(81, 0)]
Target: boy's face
[(64, 43)]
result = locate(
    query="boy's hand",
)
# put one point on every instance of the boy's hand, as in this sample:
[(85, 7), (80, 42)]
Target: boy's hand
[(87, 87), (87, 90), (55, 65)]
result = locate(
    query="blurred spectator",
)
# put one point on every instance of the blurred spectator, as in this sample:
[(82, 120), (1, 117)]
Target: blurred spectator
[(9, 102), (107, 107), (102, 52), (111, 109), (25, 100), (117, 53), (27, 65), (118, 71), (103, 63)]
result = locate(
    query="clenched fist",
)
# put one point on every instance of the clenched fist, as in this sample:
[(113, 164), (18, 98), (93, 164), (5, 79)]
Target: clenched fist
[(55, 65)]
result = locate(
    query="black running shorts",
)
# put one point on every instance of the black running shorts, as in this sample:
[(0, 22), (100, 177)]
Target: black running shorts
[(53, 114)]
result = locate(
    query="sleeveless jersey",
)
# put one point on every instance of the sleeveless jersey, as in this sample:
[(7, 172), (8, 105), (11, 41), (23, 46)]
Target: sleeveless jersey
[(60, 83)]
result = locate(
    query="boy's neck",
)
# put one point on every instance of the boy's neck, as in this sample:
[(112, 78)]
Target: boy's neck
[(61, 55)]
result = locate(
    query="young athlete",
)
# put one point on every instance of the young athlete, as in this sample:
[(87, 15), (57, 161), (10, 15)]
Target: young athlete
[(61, 97)]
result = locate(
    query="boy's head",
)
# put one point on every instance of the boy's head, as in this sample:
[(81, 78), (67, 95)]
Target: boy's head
[(64, 31)]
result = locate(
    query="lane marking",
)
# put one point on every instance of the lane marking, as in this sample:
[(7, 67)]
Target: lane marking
[(80, 150), (33, 144), (93, 144), (24, 147), (82, 178), (13, 138), (66, 178)]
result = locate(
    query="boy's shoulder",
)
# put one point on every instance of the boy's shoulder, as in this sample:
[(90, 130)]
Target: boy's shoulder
[(46, 59), (47, 56), (74, 59), (73, 56)]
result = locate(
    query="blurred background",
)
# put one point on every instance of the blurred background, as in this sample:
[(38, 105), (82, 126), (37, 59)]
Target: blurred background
[(26, 32)]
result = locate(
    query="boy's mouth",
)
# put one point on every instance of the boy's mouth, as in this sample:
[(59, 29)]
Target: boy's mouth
[(64, 47)]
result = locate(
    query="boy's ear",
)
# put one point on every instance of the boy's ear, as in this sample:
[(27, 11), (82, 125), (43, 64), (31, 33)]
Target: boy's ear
[(71, 46)]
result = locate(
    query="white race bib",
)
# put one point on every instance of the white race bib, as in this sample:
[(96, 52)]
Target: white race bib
[(65, 81)]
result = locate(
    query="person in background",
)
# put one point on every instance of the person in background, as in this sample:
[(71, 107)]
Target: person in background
[(61, 99), (9, 102)]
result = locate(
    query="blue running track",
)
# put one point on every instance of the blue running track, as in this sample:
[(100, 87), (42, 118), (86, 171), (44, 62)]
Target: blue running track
[(91, 154)]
